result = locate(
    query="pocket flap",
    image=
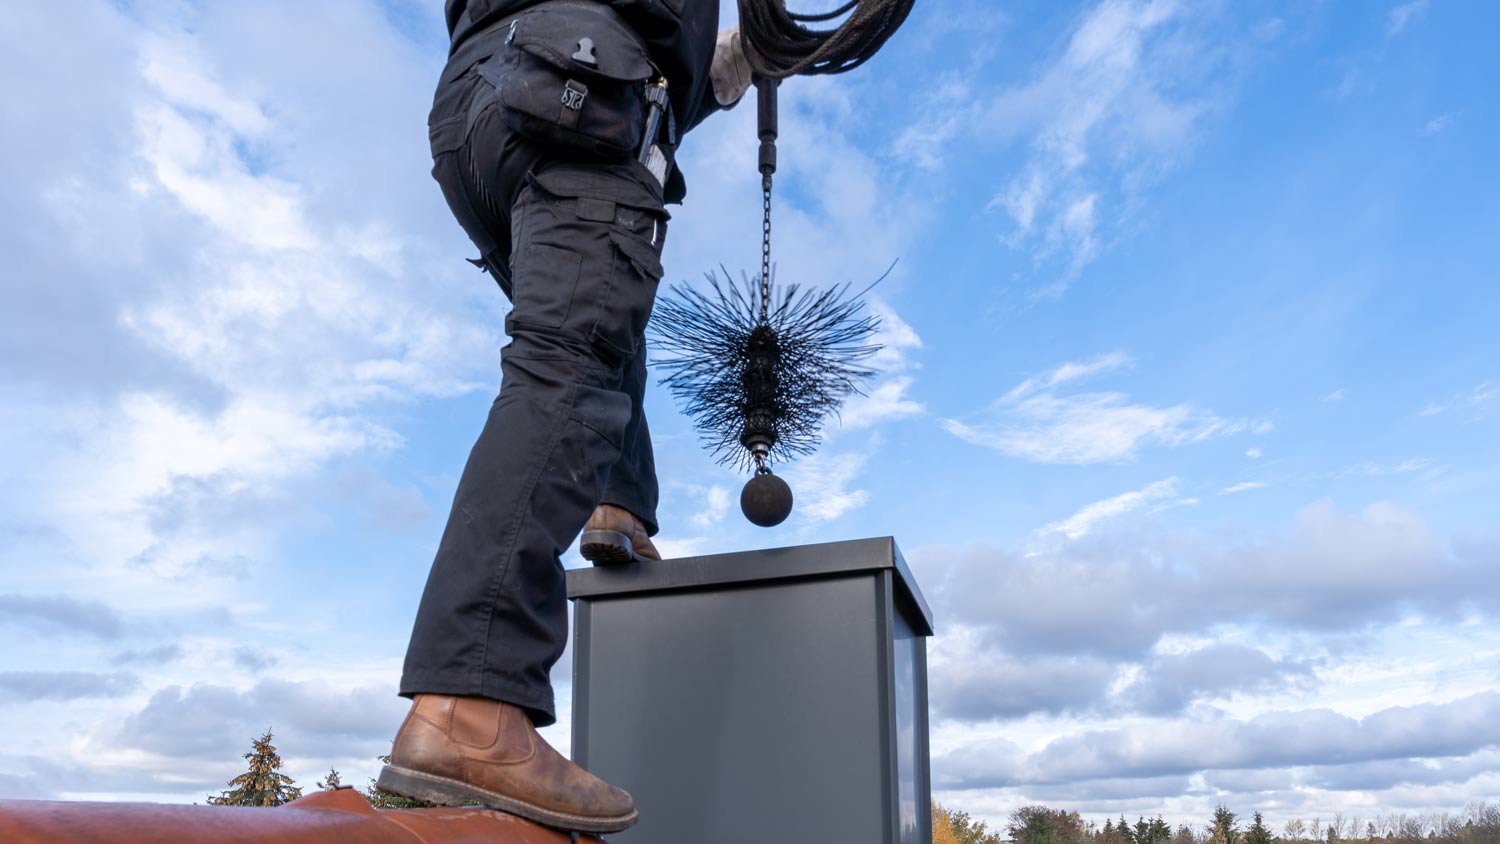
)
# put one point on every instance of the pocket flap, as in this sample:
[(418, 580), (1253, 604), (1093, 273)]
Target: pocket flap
[(603, 182), (642, 254), (567, 35)]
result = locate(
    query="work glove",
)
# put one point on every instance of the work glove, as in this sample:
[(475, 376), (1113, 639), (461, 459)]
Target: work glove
[(730, 71)]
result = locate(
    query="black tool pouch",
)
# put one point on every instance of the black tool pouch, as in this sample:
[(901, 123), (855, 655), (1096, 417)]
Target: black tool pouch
[(571, 75)]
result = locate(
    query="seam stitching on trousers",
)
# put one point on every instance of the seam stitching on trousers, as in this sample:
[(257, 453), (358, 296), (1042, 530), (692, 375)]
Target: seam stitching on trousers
[(515, 528)]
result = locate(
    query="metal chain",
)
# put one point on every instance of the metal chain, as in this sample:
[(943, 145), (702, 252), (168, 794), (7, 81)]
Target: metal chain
[(765, 255)]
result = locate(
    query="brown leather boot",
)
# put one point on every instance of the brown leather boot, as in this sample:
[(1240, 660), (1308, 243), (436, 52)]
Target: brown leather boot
[(454, 750), (614, 535)]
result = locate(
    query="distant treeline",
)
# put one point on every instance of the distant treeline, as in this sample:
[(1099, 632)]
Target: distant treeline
[(1479, 823), (263, 784)]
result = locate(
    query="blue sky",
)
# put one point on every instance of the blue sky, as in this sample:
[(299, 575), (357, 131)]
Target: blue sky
[(1186, 418)]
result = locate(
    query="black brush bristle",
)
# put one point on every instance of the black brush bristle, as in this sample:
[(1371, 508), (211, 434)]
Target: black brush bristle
[(739, 368)]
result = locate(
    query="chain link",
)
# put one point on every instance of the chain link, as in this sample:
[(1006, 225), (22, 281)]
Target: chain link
[(765, 255)]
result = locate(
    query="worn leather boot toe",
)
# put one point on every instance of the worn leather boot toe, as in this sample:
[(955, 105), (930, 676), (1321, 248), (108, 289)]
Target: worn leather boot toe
[(455, 750), (613, 536)]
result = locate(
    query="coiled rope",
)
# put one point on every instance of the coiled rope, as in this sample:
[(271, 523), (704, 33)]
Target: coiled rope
[(783, 46)]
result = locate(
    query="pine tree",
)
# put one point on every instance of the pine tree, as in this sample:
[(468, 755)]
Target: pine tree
[(1257, 833), (264, 784), (332, 781), (1222, 830)]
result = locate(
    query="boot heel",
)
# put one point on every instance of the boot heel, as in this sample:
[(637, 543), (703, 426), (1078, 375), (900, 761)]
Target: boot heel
[(607, 548)]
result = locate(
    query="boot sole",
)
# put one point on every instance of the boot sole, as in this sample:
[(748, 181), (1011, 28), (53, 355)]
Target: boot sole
[(607, 548), (450, 792)]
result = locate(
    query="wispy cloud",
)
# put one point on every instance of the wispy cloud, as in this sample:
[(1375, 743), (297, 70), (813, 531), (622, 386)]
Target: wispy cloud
[(1397, 18), (1439, 123), (258, 276), (1476, 398), (889, 398), (1037, 421), (1071, 372), (1336, 395), (1080, 523), (1243, 486), (822, 485), (1108, 117), (1372, 469)]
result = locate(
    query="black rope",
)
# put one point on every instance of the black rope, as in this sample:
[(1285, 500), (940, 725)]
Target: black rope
[(823, 17), (783, 47)]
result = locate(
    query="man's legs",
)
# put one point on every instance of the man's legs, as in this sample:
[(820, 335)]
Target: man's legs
[(493, 617), (492, 621)]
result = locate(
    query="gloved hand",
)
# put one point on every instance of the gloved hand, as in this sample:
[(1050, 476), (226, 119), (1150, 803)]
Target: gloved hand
[(730, 71)]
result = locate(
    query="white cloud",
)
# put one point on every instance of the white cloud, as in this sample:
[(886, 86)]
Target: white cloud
[(715, 508), (1398, 17), (1475, 399), (887, 399), (1371, 469), (1336, 395), (1243, 486), (1110, 115), (1072, 372), (1035, 422), (1271, 740), (949, 108), (1454, 728), (1080, 523), (245, 314), (1120, 593), (280, 329), (1253, 453), (1439, 123), (896, 338), (821, 485)]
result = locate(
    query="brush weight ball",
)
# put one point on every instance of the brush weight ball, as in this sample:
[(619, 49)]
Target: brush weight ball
[(766, 500)]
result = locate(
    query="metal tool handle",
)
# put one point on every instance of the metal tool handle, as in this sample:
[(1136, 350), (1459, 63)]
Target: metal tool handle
[(656, 102)]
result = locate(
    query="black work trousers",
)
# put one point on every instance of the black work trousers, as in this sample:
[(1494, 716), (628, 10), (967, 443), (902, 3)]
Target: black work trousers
[(576, 245)]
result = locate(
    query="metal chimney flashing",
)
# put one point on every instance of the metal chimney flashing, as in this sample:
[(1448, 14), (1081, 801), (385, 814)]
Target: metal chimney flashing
[(798, 562)]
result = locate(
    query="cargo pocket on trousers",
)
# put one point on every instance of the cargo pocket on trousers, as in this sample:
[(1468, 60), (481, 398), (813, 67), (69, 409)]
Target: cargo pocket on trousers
[(545, 278), (626, 306)]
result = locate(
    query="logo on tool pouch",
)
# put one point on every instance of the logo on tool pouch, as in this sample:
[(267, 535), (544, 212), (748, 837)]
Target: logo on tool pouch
[(572, 97)]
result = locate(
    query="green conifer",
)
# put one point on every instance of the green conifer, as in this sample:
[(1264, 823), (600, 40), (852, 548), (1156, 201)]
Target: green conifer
[(264, 784)]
